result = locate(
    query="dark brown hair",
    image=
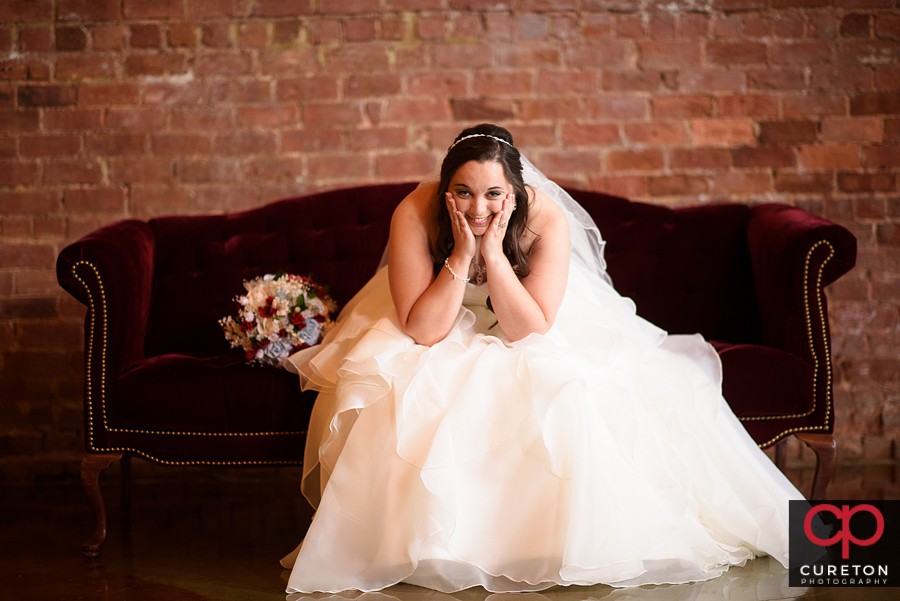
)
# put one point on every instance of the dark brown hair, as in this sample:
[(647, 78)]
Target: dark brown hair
[(483, 149)]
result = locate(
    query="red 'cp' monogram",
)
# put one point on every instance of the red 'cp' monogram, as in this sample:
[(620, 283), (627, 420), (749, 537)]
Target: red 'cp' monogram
[(845, 513)]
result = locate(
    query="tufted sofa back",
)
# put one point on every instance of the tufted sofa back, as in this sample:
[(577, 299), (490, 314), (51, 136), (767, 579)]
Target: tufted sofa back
[(201, 261), (687, 269)]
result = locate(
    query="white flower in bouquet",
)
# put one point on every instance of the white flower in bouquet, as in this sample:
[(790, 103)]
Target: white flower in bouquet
[(279, 315)]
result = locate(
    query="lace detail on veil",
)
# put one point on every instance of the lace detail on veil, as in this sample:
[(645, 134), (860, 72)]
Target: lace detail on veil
[(585, 242)]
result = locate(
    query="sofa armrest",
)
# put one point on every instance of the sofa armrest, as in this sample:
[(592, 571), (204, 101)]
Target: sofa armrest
[(794, 255), (111, 271)]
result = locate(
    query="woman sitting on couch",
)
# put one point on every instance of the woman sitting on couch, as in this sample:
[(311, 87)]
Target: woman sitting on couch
[(491, 412)]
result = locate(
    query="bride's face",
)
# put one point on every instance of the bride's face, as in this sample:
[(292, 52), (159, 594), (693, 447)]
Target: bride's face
[(479, 190)]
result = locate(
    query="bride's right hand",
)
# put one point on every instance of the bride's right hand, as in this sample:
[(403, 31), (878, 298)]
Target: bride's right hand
[(463, 238)]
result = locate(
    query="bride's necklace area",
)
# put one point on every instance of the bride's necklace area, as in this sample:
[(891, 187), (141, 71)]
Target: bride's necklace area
[(480, 271)]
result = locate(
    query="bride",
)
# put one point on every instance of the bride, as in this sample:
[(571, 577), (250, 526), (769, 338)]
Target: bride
[(491, 412)]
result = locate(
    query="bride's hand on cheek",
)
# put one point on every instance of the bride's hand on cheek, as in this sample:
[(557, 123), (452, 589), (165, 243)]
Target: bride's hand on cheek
[(492, 242), (463, 238)]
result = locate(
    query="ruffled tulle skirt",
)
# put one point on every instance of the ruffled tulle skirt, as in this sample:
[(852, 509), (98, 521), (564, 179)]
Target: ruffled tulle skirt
[(600, 452)]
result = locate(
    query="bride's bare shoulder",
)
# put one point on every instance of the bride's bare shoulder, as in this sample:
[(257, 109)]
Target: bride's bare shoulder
[(414, 216), (418, 203), (542, 211)]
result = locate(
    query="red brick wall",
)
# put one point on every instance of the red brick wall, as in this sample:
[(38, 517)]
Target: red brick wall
[(127, 108)]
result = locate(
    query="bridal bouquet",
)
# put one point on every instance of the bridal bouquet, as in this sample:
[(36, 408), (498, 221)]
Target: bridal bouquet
[(279, 315)]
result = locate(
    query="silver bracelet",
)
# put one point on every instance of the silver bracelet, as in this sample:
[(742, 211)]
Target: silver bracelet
[(455, 277)]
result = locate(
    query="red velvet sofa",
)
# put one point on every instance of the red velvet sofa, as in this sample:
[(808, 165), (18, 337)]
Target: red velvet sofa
[(161, 383)]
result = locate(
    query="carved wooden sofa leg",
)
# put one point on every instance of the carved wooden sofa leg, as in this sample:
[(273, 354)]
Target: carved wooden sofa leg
[(781, 453), (91, 466), (125, 477), (824, 447)]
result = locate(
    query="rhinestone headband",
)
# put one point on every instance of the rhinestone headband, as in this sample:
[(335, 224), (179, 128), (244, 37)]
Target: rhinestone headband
[(478, 136)]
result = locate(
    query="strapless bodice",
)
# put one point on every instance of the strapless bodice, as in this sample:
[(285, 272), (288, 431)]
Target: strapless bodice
[(476, 295)]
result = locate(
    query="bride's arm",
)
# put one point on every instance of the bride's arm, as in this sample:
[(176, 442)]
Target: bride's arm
[(530, 305), (426, 305)]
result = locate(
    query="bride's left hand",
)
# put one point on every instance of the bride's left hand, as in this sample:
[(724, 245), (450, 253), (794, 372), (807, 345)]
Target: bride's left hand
[(492, 241)]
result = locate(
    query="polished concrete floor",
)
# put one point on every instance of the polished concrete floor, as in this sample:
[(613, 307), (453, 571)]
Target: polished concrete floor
[(218, 535)]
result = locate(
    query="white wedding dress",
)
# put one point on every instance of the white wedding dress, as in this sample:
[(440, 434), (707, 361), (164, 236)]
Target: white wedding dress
[(600, 452)]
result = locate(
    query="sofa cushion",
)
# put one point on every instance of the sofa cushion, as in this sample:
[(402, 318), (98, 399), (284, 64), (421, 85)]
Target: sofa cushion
[(762, 381), (214, 394)]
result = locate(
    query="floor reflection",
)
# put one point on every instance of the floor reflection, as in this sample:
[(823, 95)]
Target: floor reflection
[(759, 580), (218, 535)]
